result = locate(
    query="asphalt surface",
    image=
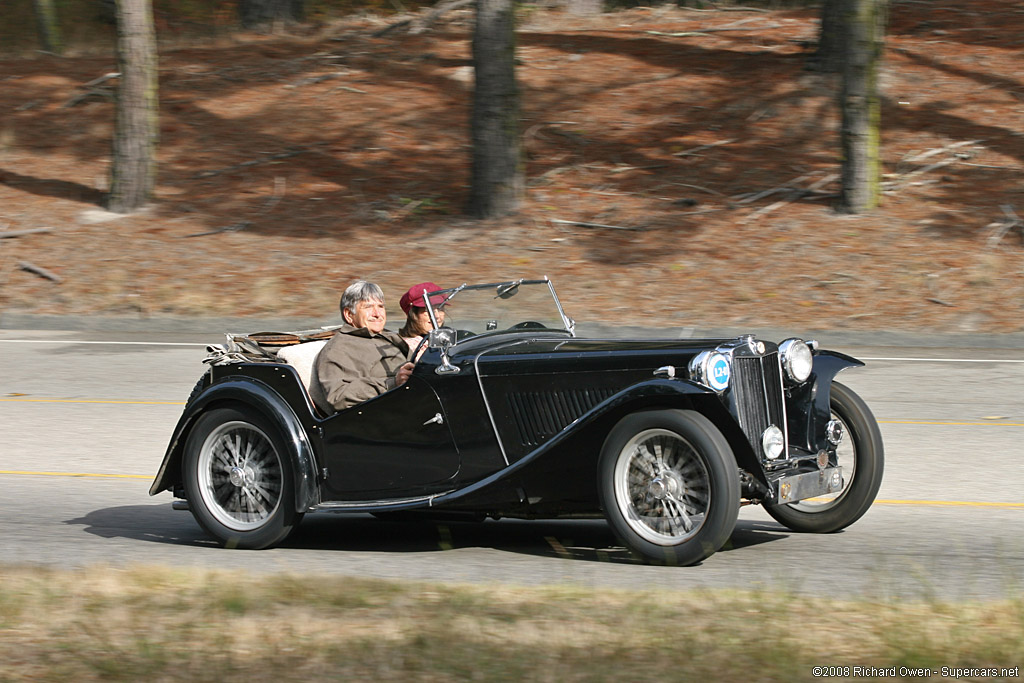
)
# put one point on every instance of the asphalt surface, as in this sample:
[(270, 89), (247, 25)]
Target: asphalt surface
[(86, 415)]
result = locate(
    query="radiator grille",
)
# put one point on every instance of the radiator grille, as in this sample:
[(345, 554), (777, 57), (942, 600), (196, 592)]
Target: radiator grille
[(540, 415), (758, 395)]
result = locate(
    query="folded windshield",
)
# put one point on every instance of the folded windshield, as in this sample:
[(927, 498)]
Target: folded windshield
[(500, 307)]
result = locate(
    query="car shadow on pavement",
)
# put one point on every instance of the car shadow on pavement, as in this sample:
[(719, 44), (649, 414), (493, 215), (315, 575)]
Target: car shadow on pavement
[(584, 540), (152, 523)]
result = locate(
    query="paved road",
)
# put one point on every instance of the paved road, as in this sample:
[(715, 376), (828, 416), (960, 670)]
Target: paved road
[(86, 417)]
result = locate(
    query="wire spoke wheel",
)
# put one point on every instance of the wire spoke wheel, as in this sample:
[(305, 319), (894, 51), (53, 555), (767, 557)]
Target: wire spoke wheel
[(846, 457), (240, 476), (669, 486), (662, 487), (860, 454)]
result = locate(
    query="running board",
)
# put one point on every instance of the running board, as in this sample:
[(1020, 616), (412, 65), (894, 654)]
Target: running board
[(385, 504)]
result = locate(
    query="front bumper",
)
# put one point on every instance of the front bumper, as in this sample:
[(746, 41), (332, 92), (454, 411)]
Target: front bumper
[(808, 485)]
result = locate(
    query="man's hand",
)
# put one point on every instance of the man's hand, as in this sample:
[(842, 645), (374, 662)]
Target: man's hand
[(403, 374)]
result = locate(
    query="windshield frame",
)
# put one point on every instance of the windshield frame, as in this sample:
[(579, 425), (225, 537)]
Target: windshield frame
[(568, 324)]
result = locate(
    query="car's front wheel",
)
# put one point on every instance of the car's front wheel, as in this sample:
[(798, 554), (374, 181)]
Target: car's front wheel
[(860, 454), (669, 486), (238, 479)]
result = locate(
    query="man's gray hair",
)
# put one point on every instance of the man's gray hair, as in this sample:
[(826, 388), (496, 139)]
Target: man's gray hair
[(360, 291)]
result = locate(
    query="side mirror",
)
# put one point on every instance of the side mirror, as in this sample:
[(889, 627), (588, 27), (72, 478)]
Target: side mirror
[(444, 338)]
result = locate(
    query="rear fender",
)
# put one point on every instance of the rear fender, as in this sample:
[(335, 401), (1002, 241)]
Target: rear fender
[(257, 395)]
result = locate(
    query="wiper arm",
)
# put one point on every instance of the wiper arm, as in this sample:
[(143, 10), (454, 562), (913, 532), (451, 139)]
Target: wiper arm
[(454, 292)]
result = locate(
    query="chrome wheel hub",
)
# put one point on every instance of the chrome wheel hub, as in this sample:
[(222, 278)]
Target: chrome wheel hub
[(242, 477), (665, 486)]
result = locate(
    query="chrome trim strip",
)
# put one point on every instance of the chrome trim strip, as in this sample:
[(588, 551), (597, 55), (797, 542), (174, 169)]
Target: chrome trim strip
[(782, 398), (335, 505), (483, 394)]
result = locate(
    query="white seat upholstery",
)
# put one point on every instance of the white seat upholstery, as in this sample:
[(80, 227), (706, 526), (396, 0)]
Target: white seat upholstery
[(302, 357)]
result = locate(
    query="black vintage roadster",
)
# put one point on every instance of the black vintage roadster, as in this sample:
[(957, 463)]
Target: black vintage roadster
[(509, 414)]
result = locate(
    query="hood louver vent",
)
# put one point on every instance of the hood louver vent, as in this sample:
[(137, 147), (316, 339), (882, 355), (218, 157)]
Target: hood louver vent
[(540, 415)]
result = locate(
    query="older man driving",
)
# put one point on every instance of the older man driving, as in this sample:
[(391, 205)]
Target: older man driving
[(362, 359)]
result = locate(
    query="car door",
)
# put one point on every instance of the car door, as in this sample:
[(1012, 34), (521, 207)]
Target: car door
[(396, 445)]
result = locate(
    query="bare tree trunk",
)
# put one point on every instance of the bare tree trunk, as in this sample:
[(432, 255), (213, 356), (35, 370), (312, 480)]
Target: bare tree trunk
[(270, 13), (135, 136), (497, 185), (828, 56), (49, 26), (859, 102)]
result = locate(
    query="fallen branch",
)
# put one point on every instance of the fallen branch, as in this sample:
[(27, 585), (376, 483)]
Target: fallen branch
[(234, 227), (795, 193), (257, 162), (939, 150), (315, 79), (91, 89), (928, 168), (784, 187), (701, 32), (583, 224), (625, 169), (102, 79), (724, 9), (420, 24), (1000, 229), (701, 148), (20, 233), (38, 270)]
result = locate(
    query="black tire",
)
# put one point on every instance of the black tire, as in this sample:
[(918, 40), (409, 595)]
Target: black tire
[(238, 479), (669, 486), (861, 456)]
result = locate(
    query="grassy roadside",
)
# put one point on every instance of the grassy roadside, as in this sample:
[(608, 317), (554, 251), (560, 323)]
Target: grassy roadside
[(159, 624)]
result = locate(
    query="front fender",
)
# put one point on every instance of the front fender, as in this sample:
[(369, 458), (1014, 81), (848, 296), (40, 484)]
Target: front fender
[(261, 397), (808, 405), (553, 470)]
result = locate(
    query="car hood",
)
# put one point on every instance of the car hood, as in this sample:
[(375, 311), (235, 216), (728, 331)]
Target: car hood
[(532, 356)]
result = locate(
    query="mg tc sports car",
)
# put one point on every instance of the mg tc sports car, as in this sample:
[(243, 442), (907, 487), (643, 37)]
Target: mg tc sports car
[(509, 413)]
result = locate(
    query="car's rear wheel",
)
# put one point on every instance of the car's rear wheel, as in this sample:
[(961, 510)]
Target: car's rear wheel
[(239, 480), (669, 486), (860, 454)]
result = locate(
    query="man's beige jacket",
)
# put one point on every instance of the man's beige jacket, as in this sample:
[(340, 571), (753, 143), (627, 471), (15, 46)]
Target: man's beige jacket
[(356, 365)]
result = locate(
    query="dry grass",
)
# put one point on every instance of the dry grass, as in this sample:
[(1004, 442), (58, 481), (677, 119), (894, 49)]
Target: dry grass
[(161, 624)]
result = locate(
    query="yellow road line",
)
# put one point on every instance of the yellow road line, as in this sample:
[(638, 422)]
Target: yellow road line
[(90, 400), (951, 424), (77, 474), (951, 503)]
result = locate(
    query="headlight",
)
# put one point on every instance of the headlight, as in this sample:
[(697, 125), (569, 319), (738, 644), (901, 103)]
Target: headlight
[(773, 442), (711, 369), (797, 359)]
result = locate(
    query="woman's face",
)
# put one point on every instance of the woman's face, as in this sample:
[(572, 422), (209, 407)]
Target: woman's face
[(419, 319)]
